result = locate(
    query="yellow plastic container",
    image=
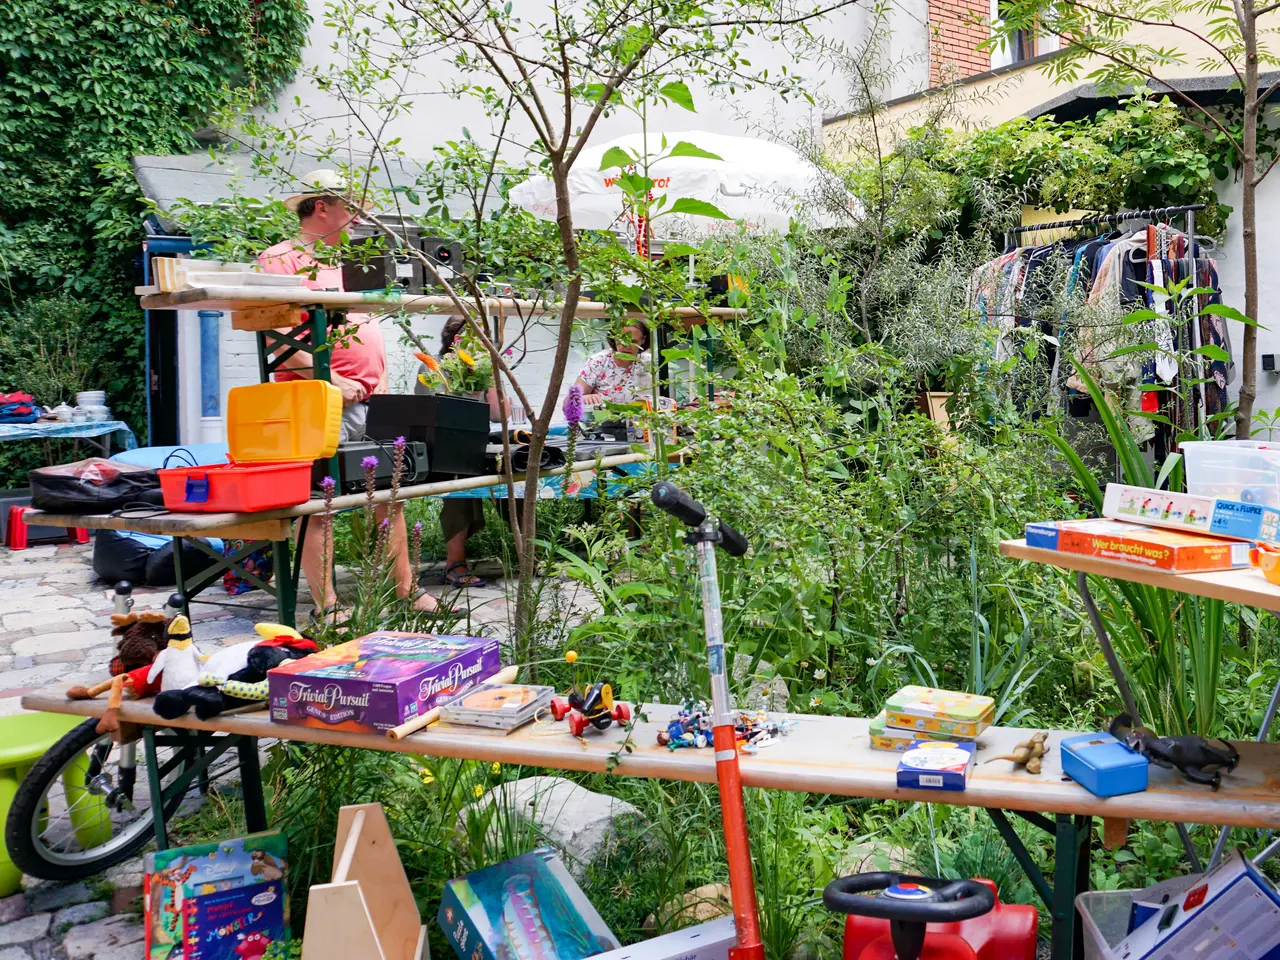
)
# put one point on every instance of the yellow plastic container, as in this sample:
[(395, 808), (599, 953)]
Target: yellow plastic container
[(274, 422), (24, 738)]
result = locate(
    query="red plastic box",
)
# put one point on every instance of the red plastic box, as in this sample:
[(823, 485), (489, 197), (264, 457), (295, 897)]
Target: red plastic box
[(236, 487)]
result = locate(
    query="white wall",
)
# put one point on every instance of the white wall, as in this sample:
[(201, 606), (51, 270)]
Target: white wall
[(439, 116), (1231, 276)]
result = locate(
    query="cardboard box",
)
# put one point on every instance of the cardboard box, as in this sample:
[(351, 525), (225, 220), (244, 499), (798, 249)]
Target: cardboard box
[(1233, 911), (896, 739), (528, 906), (379, 681), (1134, 545), (705, 941), (930, 765), (946, 712), (1212, 516)]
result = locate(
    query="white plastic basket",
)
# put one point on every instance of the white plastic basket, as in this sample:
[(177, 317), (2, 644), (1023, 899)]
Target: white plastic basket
[(1104, 914), (1247, 470)]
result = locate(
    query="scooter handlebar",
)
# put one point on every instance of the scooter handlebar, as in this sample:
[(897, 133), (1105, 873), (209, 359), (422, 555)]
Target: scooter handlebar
[(668, 497)]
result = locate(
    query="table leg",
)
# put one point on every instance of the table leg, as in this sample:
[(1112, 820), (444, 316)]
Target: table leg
[(255, 804), (157, 792), (1073, 839), (1104, 641), (1267, 720), (286, 583)]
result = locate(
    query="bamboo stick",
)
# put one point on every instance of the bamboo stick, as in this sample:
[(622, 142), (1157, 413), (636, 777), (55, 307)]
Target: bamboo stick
[(505, 675)]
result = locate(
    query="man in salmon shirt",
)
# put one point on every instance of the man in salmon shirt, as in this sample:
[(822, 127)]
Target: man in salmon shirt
[(357, 365)]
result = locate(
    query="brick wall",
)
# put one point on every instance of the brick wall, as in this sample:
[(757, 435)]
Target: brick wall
[(956, 27)]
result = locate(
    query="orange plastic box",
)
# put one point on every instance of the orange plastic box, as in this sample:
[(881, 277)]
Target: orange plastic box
[(274, 432)]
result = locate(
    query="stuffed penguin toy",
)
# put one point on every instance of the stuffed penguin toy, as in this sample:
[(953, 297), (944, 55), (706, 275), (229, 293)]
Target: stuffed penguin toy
[(236, 676), (178, 664)]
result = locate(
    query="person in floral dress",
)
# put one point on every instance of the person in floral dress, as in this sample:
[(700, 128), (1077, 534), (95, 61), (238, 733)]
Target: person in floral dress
[(617, 374)]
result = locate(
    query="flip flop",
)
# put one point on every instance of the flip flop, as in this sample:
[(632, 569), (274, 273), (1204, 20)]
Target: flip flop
[(468, 579), (336, 614)]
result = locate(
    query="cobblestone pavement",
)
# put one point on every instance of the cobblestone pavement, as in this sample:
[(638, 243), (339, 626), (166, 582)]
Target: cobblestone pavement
[(55, 627)]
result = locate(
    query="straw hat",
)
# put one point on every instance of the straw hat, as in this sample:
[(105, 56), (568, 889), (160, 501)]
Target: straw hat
[(324, 183)]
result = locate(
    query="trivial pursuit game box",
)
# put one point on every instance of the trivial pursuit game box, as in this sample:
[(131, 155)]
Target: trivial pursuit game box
[(379, 681)]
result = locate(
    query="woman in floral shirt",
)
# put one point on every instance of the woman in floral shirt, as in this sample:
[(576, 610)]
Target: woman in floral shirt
[(617, 375)]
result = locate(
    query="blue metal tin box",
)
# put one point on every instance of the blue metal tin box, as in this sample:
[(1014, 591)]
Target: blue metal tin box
[(1103, 765)]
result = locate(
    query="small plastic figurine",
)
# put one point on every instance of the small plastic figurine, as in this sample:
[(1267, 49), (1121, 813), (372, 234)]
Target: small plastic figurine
[(596, 709), (1194, 757)]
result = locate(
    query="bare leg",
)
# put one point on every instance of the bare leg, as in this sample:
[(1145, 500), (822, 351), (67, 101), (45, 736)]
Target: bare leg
[(314, 552), (455, 550), (398, 548)]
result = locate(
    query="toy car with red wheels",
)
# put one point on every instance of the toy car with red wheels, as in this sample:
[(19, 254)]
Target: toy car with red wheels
[(596, 708)]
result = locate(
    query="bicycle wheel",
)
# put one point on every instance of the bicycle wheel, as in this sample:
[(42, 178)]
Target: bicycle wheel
[(86, 806)]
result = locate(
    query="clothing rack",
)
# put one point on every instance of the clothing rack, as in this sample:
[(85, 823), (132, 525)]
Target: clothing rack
[(1156, 213)]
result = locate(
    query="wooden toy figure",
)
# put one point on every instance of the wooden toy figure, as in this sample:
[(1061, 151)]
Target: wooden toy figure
[(595, 709)]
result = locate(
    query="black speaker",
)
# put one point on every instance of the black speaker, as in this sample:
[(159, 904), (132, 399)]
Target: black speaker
[(350, 457)]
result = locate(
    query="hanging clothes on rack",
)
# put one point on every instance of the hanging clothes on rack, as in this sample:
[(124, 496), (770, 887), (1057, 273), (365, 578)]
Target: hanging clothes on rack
[(1114, 275)]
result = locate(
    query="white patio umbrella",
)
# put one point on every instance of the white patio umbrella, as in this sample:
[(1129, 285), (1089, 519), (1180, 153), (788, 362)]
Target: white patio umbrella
[(757, 183)]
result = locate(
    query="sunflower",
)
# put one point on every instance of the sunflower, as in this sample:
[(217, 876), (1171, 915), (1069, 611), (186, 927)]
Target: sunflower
[(465, 357)]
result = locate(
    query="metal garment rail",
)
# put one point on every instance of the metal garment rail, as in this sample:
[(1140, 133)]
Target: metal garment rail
[(1156, 213)]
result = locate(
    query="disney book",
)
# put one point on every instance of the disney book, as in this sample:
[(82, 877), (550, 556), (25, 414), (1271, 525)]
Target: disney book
[(528, 906), (216, 901)]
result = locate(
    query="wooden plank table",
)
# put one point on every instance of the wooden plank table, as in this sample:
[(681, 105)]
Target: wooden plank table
[(825, 755), (1244, 586), (271, 529)]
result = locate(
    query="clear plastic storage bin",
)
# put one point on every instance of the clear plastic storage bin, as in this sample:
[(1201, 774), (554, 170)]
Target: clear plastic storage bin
[(1246, 470), (1104, 914)]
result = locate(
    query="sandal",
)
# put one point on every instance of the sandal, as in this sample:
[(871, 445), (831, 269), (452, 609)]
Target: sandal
[(334, 615), (466, 579)]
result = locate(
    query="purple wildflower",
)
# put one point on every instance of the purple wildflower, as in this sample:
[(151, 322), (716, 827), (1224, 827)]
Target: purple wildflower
[(573, 406), (417, 528), (327, 484), (399, 443), (386, 523), (369, 463)]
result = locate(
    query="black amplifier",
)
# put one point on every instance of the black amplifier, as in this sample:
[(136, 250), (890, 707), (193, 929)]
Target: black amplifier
[(350, 457)]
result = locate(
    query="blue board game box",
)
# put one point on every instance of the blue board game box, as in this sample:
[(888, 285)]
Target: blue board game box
[(528, 906), (932, 765)]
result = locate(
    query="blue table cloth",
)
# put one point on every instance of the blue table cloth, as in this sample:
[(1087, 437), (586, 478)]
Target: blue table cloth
[(58, 430)]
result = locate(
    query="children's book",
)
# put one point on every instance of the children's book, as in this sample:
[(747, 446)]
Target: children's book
[(216, 901)]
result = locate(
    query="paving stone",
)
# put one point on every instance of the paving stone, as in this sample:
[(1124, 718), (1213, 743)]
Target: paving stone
[(10, 706), (45, 895), (15, 953), (18, 583), (24, 930), (65, 620), (115, 938), (24, 662), (79, 914), (25, 677), (56, 642), (26, 603), (11, 908), (127, 874)]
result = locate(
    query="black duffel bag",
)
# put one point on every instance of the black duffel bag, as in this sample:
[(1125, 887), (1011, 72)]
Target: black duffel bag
[(94, 486)]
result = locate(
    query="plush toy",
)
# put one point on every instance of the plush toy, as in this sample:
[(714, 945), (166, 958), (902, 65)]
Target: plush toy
[(178, 665), (140, 638), (236, 676)]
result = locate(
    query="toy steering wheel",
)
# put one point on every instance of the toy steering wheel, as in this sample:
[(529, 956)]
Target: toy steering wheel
[(908, 903)]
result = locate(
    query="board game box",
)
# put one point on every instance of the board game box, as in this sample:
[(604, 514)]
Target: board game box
[(1212, 516), (379, 681), (216, 901), (896, 739), (930, 765), (1134, 545), (947, 712), (528, 906)]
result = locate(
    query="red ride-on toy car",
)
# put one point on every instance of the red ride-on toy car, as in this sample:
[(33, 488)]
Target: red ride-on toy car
[(921, 918), (596, 709)]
